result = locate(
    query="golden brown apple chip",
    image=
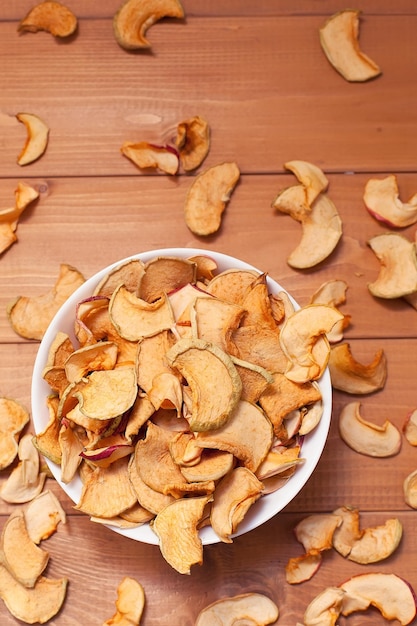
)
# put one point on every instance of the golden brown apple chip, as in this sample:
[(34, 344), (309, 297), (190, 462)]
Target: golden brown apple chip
[(232, 285), (278, 462), (99, 356), (151, 499), (367, 437), (128, 274), (301, 568), (13, 419), (398, 266), (31, 316), (146, 155), (410, 428), (339, 38), (207, 198), (25, 481), (107, 393), (135, 318), (24, 195), (42, 516), (36, 138), (176, 527), (381, 198), (36, 605), (47, 441), (134, 17), (193, 142), (163, 275), (53, 17), (246, 608), (214, 320), (349, 375), (130, 603)]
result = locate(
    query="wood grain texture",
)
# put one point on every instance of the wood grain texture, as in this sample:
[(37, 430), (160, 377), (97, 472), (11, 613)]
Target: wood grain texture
[(256, 71)]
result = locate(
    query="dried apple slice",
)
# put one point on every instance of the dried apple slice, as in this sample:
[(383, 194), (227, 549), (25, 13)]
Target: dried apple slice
[(325, 608), (19, 554), (130, 603), (299, 334), (333, 293), (31, 316), (398, 272), (13, 419), (310, 176), (410, 428), (176, 527), (193, 142), (410, 489), (49, 16), (42, 516), (366, 437), (147, 155), (36, 140), (39, 604), (247, 608), (134, 17), (315, 532), (234, 495), (377, 543), (349, 375), (165, 275), (213, 379), (135, 318), (381, 198), (322, 230), (25, 481), (389, 593), (151, 499), (339, 39), (207, 198), (99, 356), (106, 394), (301, 568)]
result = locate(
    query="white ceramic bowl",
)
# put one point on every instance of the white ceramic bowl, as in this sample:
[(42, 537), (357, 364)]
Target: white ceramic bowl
[(267, 506)]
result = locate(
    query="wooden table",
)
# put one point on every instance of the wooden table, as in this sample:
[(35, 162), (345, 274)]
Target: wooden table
[(256, 72)]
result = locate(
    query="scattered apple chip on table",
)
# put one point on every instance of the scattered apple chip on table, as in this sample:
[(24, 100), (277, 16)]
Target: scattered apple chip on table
[(410, 489), (351, 376), (130, 603), (13, 419), (207, 198), (251, 608), (410, 428), (52, 17), (339, 39), (367, 437), (31, 316), (398, 266), (146, 155), (36, 139), (192, 142), (24, 196), (135, 17), (381, 198), (26, 480)]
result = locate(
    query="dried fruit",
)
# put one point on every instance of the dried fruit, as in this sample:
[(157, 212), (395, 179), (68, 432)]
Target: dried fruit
[(146, 155), (410, 489), (351, 376), (333, 293), (250, 608), (134, 17), (207, 198), (339, 39), (410, 428), (192, 142), (53, 17), (308, 204), (130, 603), (366, 437), (381, 198), (24, 195), (26, 480), (31, 316), (13, 419), (42, 516), (36, 140), (398, 272)]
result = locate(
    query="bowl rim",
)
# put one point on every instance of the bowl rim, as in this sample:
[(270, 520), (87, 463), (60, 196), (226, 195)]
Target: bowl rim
[(268, 505)]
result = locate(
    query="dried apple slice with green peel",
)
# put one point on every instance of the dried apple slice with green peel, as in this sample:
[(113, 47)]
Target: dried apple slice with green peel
[(339, 39)]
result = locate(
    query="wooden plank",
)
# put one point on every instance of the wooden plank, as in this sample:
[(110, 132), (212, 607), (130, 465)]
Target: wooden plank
[(90, 223), (265, 104), (96, 562)]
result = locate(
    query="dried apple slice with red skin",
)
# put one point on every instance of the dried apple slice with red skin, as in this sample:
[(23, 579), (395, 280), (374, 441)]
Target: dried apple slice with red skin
[(147, 155), (398, 266), (349, 375), (36, 139), (49, 16), (207, 198), (193, 142), (366, 437), (134, 17), (339, 41), (381, 198), (389, 593), (247, 608)]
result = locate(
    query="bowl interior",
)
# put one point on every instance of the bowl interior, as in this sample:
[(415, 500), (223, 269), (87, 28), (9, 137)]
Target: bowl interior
[(267, 506)]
